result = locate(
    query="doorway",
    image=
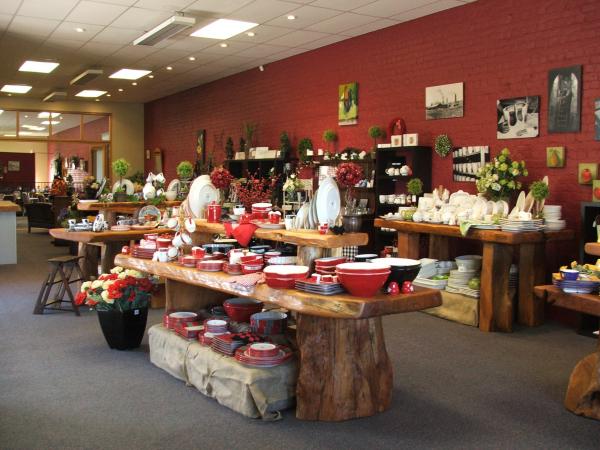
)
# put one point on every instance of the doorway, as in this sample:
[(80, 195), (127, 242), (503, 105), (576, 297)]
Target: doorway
[(100, 161)]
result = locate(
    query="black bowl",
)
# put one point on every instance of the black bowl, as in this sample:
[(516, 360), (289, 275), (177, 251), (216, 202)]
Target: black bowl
[(260, 249), (402, 273), (365, 257), (220, 248)]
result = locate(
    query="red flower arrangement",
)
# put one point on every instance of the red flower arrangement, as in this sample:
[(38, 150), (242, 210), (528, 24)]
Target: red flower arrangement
[(221, 178), (256, 190), (121, 289), (348, 174)]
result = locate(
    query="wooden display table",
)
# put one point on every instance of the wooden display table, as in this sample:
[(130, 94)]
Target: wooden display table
[(495, 306), (8, 237), (345, 372), (110, 209), (593, 248), (110, 243)]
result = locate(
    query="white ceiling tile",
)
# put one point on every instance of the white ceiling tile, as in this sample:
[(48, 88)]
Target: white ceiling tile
[(163, 57), (95, 13), (260, 11), (341, 23), (328, 40), (31, 26), (118, 2), (262, 50), (305, 16), (232, 48), (368, 28), (55, 9), (232, 61), (388, 8), (130, 54), (192, 44), (99, 48), (342, 5), (164, 5), (9, 6), (66, 30), (425, 10), (287, 53), (5, 20), (114, 35), (217, 6), (262, 33), (63, 44), (297, 38), (141, 19)]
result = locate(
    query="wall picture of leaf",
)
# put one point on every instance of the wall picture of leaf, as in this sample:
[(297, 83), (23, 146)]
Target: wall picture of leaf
[(555, 157), (587, 173), (348, 104)]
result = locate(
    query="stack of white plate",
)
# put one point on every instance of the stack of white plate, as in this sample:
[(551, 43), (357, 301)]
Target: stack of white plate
[(458, 282), (513, 277), (552, 218), (324, 207), (517, 226)]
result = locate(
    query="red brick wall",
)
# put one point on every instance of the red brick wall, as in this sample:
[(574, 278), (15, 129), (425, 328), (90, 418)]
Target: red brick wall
[(498, 48)]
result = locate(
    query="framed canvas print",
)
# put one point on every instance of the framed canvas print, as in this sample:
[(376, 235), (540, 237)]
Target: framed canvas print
[(596, 191), (587, 173), (564, 100), (444, 101), (555, 157), (14, 166), (397, 140), (410, 140), (348, 104), (518, 117), (597, 118)]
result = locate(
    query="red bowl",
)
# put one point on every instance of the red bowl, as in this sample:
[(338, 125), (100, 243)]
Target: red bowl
[(363, 286), (263, 350), (252, 259), (286, 272), (241, 312), (251, 268), (281, 283)]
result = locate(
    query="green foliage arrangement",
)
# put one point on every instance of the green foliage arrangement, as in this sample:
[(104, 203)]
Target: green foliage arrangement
[(185, 170), (414, 186), (121, 167), (498, 179), (540, 192), (304, 145), (443, 145), (376, 132), (329, 136), (285, 147)]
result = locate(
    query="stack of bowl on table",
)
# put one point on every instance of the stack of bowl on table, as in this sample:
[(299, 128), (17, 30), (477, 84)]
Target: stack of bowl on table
[(466, 279), (552, 218)]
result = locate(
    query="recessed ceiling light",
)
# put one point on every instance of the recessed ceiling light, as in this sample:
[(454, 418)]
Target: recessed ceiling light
[(90, 93), (134, 84), (1, 111), (192, 58), (16, 88), (120, 89), (223, 44), (150, 76), (97, 99), (47, 115), (250, 33), (33, 127), (291, 17), (169, 68), (80, 30), (108, 95), (223, 29), (129, 74), (38, 66), (48, 122), (26, 116)]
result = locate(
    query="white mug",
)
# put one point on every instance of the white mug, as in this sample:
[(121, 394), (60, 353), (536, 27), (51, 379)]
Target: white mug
[(177, 241), (289, 222)]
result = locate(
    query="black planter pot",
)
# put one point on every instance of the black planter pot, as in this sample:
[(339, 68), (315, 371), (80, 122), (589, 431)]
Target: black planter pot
[(123, 330), (352, 223), (120, 196)]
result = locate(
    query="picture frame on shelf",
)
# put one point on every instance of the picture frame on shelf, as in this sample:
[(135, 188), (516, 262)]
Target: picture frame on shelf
[(239, 156), (587, 173), (410, 140), (555, 157), (564, 99), (396, 140)]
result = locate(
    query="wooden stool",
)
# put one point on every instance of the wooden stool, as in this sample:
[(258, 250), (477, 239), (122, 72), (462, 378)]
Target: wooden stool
[(64, 266)]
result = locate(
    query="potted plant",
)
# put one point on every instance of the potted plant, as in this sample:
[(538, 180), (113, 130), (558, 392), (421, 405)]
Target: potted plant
[(414, 188), (443, 145), (285, 146), (229, 148), (540, 192), (376, 132), (185, 170), (329, 136), (498, 179), (121, 300), (120, 167), (348, 175), (303, 147)]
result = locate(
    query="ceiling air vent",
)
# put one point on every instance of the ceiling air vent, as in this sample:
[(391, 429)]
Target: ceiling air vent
[(165, 30), (86, 77), (54, 96)]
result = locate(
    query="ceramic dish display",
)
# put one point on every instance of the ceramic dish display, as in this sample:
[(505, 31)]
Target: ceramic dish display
[(173, 185), (252, 359), (220, 248), (286, 271), (268, 323), (149, 210), (240, 309), (328, 201), (202, 192), (127, 184), (362, 279)]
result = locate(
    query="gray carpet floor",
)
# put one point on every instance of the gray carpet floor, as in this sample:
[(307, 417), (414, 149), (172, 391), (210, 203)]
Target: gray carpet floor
[(454, 387)]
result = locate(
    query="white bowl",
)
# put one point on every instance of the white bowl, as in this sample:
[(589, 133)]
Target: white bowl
[(171, 195), (286, 270)]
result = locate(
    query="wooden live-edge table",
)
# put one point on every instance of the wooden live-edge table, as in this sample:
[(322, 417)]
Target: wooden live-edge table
[(495, 306), (345, 371), (593, 248), (110, 243), (110, 209), (8, 237)]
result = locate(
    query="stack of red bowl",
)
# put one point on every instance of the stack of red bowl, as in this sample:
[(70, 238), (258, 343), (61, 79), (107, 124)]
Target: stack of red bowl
[(240, 309), (362, 279), (211, 265), (271, 254), (261, 210), (232, 269), (248, 268), (174, 319), (326, 266), (284, 277)]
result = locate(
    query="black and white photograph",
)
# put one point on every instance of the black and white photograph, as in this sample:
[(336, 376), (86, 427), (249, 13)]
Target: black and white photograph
[(564, 100), (444, 102), (518, 118), (597, 118)]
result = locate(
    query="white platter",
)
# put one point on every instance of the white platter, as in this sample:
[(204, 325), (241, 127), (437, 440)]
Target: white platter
[(127, 184)]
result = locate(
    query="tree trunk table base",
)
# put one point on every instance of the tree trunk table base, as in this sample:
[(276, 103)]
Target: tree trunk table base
[(583, 393), (345, 371)]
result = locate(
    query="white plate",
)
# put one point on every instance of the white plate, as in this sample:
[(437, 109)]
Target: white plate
[(127, 184), (301, 216), (328, 203), (202, 192), (150, 209), (520, 205), (173, 185)]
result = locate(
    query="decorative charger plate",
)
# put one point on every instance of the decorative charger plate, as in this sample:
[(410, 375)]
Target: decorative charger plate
[(202, 192), (127, 184), (150, 209)]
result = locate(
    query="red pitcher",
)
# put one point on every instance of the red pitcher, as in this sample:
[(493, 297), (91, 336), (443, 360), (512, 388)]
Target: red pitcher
[(214, 213)]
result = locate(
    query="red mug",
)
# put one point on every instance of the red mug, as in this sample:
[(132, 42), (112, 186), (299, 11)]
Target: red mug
[(214, 213), (198, 252), (246, 218), (274, 217), (323, 228)]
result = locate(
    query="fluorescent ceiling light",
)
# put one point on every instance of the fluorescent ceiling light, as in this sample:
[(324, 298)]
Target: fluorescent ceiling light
[(48, 122), (223, 29), (31, 133), (10, 135), (130, 74), (38, 66), (47, 115), (1, 111), (16, 88), (33, 127), (165, 30), (90, 93)]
